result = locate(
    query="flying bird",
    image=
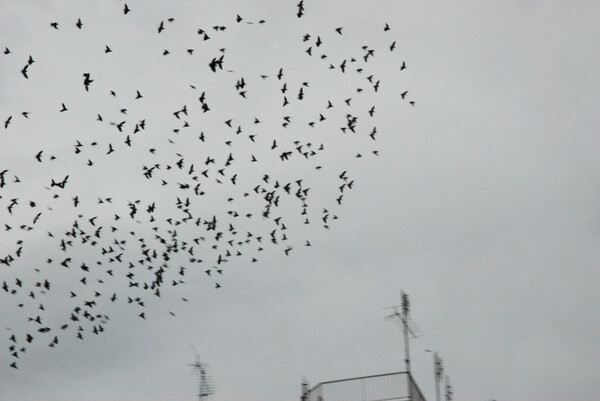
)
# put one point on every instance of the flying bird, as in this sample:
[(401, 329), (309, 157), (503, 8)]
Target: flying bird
[(300, 6), (87, 81)]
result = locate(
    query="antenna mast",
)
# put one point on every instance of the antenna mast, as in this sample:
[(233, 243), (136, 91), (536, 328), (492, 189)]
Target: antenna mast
[(438, 374), (402, 313), (406, 329), (205, 387), (449, 392)]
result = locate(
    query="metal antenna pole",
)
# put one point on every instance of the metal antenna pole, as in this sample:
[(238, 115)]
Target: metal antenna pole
[(407, 331), (205, 388), (439, 374), (449, 393), (405, 312)]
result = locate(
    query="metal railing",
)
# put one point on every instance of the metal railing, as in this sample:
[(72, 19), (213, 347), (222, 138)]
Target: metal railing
[(398, 386)]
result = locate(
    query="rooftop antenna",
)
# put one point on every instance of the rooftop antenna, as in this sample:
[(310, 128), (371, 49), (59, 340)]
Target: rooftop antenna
[(402, 314), (438, 375), (205, 386), (449, 392)]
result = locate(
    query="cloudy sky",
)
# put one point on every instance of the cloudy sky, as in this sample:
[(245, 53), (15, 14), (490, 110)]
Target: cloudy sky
[(482, 200)]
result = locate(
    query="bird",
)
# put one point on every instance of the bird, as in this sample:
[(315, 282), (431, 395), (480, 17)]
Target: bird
[(79, 24), (63, 108), (300, 7), (87, 81)]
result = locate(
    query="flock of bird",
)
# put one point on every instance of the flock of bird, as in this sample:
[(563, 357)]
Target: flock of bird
[(151, 196)]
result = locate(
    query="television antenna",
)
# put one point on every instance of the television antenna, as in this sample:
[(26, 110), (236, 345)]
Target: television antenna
[(449, 391), (205, 385), (438, 376), (401, 313)]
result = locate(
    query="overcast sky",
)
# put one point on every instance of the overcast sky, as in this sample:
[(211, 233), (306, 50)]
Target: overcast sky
[(481, 201)]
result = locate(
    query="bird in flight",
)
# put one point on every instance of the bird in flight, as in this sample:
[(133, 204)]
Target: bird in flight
[(87, 81)]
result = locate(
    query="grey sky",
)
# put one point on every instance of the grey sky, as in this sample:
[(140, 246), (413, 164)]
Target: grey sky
[(483, 203)]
